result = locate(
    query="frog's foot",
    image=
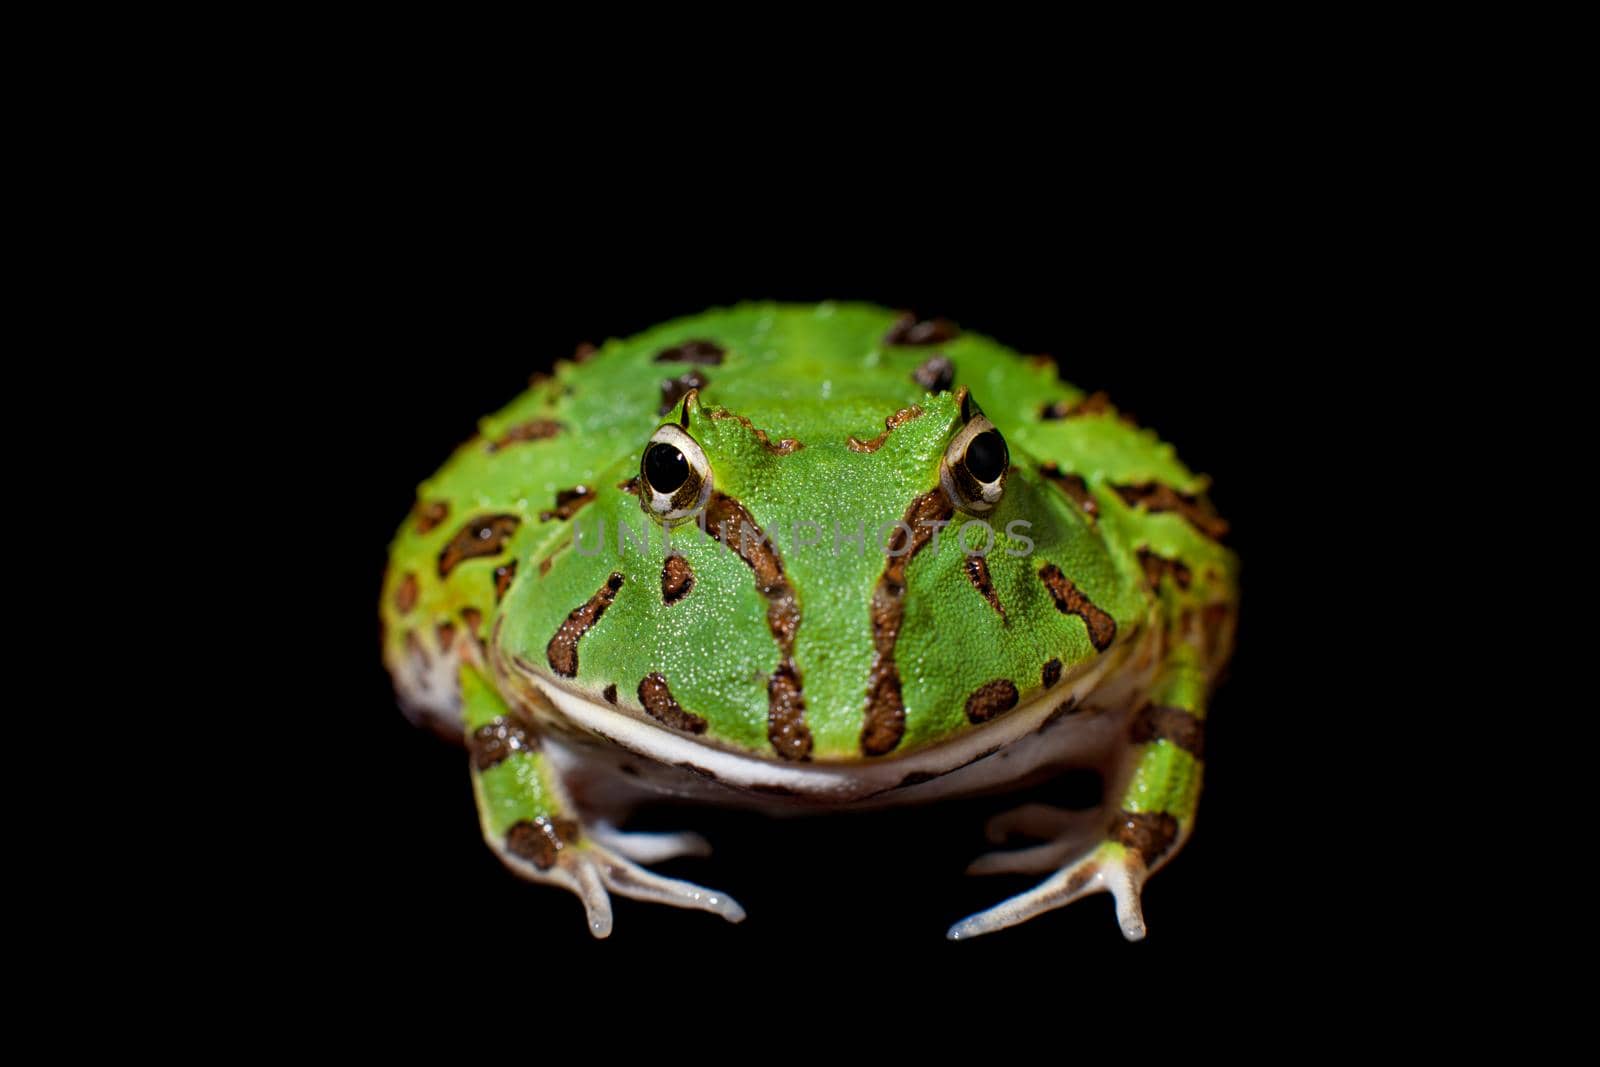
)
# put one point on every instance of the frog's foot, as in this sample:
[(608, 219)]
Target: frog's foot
[(556, 852), (532, 824), (1107, 869)]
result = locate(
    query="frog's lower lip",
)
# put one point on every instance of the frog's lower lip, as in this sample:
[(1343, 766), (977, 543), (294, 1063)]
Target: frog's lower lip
[(828, 781)]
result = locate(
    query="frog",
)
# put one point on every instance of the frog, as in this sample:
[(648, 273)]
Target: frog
[(815, 559)]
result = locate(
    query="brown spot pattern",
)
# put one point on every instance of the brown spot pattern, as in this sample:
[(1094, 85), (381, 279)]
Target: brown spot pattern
[(658, 701), (782, 448), (1071, 601), (534, 430), (991, 699), (1146, 834), (1176, 725), (568, 503), (708, 353), (1051, 673), (474, 620), (503, 577), (977, 569), (1156, 497), (584, 352), (405, 595), (1155, 566), (1094, 404), (562, 651), (885, 712), (485, 535), (495, 742), (447, 636), (891, 424), (909, 330), (611, 694), (936, 374), (674, 390), (1074, 486), (729, 522), (431, 515), (676, 579), (1065, 708), (540, 841)]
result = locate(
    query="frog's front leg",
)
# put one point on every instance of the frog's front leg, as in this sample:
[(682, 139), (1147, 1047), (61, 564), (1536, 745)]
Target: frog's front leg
[(531, 823), (1112, 849)]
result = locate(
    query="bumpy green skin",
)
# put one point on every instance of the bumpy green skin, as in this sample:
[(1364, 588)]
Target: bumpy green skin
[(820, 375)]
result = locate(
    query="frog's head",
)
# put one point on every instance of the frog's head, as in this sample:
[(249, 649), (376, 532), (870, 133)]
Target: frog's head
[(848, 580)]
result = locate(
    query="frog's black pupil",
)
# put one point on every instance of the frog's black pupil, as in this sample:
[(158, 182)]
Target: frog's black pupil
[(665, 468), (986, 456)]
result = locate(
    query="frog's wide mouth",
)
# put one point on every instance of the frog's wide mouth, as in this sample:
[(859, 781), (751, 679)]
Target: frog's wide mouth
[(822, 779)]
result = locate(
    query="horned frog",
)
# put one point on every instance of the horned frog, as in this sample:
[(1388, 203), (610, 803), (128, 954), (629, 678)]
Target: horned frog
[(814, 558)]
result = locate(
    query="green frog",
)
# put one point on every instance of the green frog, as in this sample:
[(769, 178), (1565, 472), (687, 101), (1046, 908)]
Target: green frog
[(814, 559)]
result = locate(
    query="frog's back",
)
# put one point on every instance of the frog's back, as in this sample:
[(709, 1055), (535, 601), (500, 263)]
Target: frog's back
[(836, 416)]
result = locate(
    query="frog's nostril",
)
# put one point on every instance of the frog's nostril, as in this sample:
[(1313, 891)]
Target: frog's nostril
[(665, 468)]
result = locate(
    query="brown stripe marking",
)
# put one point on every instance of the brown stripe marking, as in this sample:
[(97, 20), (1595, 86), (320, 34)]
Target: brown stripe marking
[(1093, 404), (673, 390), (977, 569), (891, 424), (782, 448), (885, 721), (1176, 725), (535, 430), (1051, 674), (474, 620), (1071, 601), (1155, 566), (431, 515), (447, 636), (568, 503), (909, 330), (1147, 835), (658, 701), (676, 579), (1157, 498), (704, 352), (936, 374), (540, 840), (991, 699), (1074, 486), (485, 535), (495, 742), (503, 577), (405, 595), (729, 522), (562, 651)]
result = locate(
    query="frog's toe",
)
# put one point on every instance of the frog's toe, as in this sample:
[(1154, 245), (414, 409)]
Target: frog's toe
[(650, 848), (1102, 871), (634, 882)]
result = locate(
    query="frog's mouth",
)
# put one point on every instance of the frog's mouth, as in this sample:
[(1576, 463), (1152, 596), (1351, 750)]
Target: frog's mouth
[(1001, 749)]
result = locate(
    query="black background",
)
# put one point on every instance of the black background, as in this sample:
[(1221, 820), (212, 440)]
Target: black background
[(1210, 333)]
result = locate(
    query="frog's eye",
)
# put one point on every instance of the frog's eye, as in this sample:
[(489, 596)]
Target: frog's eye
[(674, 476), (975, 466)]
